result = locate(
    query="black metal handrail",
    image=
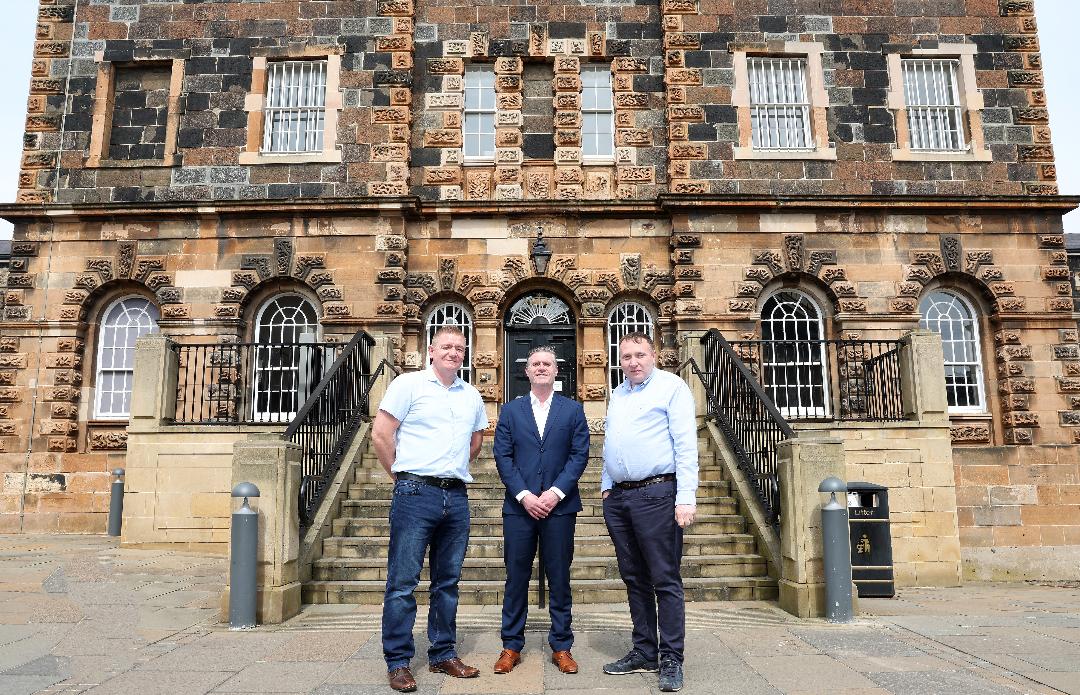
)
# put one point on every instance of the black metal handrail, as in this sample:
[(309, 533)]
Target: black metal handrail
[(326, 423), (853, 380), (247, 383), (747, 416)]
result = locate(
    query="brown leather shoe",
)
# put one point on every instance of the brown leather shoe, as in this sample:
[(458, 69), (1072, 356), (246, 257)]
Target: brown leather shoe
[(508, 659), (401, 680), (565, 661), (455, 667)]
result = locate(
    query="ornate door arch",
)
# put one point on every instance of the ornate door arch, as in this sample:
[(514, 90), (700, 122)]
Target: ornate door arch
[(540, 318)]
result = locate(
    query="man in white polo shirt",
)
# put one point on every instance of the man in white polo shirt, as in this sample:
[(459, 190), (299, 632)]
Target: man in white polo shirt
[(429, 427)]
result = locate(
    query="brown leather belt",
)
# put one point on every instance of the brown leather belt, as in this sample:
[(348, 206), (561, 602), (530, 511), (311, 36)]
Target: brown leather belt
[(444, 483), (631, 484)]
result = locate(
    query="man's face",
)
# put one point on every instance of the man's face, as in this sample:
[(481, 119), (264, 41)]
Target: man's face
[(447, 352), (541, 369), (637, 359)]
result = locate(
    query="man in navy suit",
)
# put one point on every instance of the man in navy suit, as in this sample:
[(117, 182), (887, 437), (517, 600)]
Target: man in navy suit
[(541, 449)]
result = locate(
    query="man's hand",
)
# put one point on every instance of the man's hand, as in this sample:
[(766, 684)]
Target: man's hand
[(604, 494), (549, 499), (684, 514), (534, 506)]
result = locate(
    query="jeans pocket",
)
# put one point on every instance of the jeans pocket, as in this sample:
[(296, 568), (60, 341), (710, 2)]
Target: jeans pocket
[(659, 491), (403, 488)]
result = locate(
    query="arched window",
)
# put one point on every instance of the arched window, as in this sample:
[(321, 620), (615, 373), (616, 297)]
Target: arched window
[(451, 314), (793, 365), (627, 317), (123, 322), (286, 366), (951, 317)]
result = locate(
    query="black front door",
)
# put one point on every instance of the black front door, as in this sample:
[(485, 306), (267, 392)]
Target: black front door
[(534, 320)]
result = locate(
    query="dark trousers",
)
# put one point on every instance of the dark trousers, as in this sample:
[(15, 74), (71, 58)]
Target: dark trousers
[(556, 535), (424, 520), (648, 545)]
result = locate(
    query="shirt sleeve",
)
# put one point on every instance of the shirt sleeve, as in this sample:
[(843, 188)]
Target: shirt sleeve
[(682, 423), (481, 422), (398, 399)]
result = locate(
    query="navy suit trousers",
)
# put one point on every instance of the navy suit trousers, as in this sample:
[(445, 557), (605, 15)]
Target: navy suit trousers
[(648, 545), (520, 534)]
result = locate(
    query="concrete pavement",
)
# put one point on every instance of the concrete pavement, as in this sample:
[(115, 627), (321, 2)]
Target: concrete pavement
[(79, 614)]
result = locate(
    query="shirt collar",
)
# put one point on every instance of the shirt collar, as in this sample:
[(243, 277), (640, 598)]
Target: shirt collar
[(536, 401), (630, 388), (430, 375)]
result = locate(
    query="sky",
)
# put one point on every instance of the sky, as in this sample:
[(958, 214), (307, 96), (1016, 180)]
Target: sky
[(1056, 19)]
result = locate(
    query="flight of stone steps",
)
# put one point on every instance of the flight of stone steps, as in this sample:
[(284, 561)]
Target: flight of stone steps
[(720, 560)]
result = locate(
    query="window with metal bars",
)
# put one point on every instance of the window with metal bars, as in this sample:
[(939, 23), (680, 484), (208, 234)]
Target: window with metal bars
[(779, 105), (626, 317), (793, 368), (932, 97), (952, 318), (295, 112), (283, 371), (452, 314), (597, 113), (124, 322), (478, 129)]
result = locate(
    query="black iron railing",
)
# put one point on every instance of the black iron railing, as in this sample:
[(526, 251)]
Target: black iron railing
[(248, 383), (747, 417), (828, 379), (328, 420)]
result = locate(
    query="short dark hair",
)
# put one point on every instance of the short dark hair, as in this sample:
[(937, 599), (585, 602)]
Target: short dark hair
[(637, 337)]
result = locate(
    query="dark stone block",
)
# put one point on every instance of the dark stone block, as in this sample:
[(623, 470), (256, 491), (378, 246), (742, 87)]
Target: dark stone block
[(238, 82), (618, 47), (394, 78), (148, 151), (125, 194), (719, 113), (194, 66), (190, 137), (283, 190), (501, 48), (772, 24), (628, 30), (129, 100), (653, 31), (197, 101), (648, 83), (232, 119), (81, 85), (423, 51), (989, 43), (538, 146), (698, 59), (985, 61), (866, 61), (819, 169), (566, 30), (876, 79), (716, 41), (426, 192), (873, 42), (147, 116), (125, 135), (702, 132), (842, 132), (879, 133), (316, 190), (380, 97), (879, 116), (167, 45), (82, 120), (886, 187), (426, 156), (234, 65), (869, 97)]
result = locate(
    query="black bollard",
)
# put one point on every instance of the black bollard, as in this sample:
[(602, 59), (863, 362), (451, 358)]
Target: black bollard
[(116, 503), (243, 587), (835, 537)]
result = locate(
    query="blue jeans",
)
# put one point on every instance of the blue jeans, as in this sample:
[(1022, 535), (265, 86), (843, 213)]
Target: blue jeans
[(424, 520)]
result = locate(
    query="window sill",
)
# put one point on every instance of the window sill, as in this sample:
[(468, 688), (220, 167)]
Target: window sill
[(903, 154), (165, 163), (103, 421), (820, 153), (598, 161), (334, 156), (970, 415), (478, 162)]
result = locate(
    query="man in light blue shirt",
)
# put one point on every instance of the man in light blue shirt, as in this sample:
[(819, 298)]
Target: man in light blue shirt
[(429, 426), (649, 485)]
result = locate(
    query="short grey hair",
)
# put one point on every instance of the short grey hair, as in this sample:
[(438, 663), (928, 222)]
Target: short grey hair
[(541, 348)]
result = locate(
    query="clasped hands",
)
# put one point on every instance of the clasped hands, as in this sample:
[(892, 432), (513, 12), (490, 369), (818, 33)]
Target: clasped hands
[(539, 507)]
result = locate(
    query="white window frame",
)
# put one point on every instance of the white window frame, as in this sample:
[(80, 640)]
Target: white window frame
[(272, 365), (143, 317), (779, 103), (625, 317), (935, 114), (596, 83), (970, 345), (809, 359), (452, 314), (294, 117), (480, 106)]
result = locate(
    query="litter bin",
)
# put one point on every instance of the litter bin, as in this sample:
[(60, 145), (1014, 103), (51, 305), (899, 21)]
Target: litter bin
[(871, 540)]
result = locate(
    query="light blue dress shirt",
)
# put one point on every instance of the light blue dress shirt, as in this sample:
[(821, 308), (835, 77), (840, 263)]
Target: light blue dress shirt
[(651, 430), (437, 424)]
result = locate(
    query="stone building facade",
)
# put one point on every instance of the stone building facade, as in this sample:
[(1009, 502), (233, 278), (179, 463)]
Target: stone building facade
[(425, 144)]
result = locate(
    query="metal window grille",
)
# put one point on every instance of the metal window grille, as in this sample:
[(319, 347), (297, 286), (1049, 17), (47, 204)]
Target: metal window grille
[(478, 129), (283, 377), (794, 371), (932, 95), (597, 112), (954, 320), (779, 106), (122, 324), (626, 317), (454, 315), (295, 111)]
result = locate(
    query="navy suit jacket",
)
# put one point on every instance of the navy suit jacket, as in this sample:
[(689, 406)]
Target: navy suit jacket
[(528, 462)]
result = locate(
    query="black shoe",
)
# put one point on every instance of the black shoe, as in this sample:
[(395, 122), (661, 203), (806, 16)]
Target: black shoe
[(670, 676), (634, 662)]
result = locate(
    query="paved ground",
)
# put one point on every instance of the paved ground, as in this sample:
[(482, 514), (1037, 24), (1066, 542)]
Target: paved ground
[(77, 614)]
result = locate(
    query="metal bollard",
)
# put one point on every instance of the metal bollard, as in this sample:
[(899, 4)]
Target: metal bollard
[(116, 503), (837, 553), (243, 588)]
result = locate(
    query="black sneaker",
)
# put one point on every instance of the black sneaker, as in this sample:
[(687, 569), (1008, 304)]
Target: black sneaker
[(634, 662), (670, 676)]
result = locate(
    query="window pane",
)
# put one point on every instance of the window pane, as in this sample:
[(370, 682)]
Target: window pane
[(123, 323)]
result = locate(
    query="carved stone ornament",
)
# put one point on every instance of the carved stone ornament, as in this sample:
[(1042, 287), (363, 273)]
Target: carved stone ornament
[(108, 439), (630, 265), (951, 252), (970, 433), (125, 262)]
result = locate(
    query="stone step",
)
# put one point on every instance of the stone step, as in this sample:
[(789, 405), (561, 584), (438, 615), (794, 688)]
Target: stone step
[(488, 507), (493, 490), (583, 568), (492, 526), (491, 546), (370, 592)]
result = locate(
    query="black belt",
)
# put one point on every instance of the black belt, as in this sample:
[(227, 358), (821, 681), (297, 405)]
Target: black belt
[(631, 484), (444, 483)]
